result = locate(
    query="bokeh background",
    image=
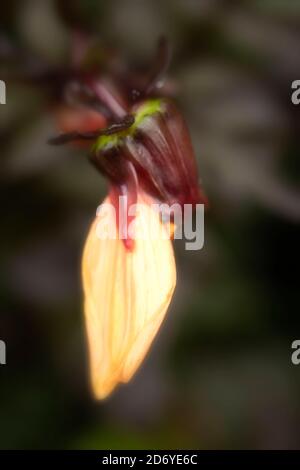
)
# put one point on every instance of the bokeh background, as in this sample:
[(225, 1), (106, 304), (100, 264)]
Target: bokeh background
[(219, 375)]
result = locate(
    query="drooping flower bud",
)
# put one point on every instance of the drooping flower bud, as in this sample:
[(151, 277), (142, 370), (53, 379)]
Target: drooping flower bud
[(144, 150), (127, 294)]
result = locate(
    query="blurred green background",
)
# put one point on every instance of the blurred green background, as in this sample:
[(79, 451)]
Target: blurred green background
[(219, 375)]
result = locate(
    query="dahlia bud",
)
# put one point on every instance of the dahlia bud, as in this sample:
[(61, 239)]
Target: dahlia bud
[(127, 294), (129, 271), (129, 280)]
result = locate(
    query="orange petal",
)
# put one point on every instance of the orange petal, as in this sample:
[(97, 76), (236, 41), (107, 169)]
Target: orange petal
[(126, 297)]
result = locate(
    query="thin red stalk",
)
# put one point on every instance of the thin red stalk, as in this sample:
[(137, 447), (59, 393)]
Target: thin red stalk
[(106, 97)]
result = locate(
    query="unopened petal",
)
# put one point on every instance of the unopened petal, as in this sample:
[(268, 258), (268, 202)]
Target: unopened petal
[(127, 295)]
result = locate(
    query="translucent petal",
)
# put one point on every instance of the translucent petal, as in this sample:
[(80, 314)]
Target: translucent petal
[(127, 294)]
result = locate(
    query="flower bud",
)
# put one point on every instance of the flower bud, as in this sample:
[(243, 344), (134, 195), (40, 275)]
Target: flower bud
[(127, 294)]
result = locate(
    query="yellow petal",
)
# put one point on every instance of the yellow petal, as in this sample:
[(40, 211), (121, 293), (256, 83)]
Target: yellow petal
[(126, 297)]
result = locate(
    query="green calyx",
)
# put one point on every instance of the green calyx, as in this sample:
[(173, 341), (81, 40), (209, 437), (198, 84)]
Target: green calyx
[(148, 108)]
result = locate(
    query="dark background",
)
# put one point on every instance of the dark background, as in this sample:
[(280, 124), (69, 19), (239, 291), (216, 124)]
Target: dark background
[(219, 374)]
